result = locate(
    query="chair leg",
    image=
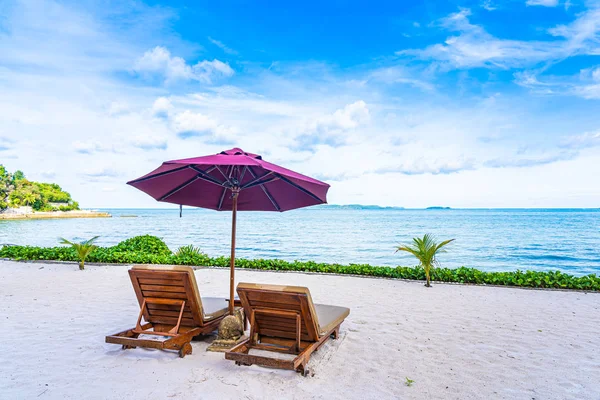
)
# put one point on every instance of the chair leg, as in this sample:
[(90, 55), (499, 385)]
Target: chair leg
[(185, 350), (336, 333)]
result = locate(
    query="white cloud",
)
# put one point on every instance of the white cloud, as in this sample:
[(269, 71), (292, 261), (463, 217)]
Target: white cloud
[(400, 75), (159, 62), (188, 124), (149, 142), (545, 3), (162, 107), (585, 85), (349, 117), (475, 47), (583, 141), (488, 5)]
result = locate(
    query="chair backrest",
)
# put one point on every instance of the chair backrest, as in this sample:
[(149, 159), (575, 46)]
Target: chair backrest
[(275, 308), (168, 282)]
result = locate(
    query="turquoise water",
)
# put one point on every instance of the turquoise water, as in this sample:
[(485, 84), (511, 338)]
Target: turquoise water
[(493, 240)]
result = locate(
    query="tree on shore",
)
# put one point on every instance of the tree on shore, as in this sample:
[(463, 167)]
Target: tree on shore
[(426, 251)]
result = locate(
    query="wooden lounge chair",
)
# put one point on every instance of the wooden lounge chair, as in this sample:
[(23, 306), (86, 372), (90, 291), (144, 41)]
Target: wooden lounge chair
[(284, 319), (171, 307)]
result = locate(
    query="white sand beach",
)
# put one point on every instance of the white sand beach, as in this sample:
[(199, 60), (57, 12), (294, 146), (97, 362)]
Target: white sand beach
[(455, 342)]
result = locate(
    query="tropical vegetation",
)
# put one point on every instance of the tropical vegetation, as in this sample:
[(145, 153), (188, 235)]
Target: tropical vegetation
[(125, 252), (425, 250), (17, 191), (82, 250)]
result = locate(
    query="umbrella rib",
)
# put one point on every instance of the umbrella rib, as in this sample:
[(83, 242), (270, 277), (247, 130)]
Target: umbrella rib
[(264, 189), (299, 187), (157, 175), (259, 181), (243, 173), (222, 173), (207, 177), (222, 198)]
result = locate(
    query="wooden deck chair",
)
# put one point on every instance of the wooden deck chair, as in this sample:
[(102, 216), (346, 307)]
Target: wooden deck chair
[(284, 319), (171, 307)]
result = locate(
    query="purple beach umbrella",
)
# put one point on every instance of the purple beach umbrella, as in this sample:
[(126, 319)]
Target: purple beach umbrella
[(229, 181)]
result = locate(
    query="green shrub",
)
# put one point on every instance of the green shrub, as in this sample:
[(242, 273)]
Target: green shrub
[(145, 244), (190, 255), (193, 256)]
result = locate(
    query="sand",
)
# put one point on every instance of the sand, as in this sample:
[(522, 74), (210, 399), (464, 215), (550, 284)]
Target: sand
[(455, 342)]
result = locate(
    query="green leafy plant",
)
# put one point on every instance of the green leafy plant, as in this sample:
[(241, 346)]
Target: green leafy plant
[(82, 249), (190, 255), (146, 244), (408, 381), (426, 251)]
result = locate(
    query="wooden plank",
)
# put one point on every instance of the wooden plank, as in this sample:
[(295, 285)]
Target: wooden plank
[(158, 319), (283, 334), (167, 307), (161, 288), (172, 314), (156, 281), (281, 298), (165, 295), (275, 306), (259, 360), (307, 317), (158, 274), (153, 344), (195, 308)]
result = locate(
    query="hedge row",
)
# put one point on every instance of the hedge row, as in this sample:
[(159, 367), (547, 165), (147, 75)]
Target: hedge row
[(156, 254)]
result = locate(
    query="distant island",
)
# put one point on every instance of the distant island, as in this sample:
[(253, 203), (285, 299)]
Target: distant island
[(21, 198), (438, 208)]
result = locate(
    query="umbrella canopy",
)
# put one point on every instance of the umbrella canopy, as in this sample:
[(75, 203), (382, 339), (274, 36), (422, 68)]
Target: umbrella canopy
[(229, 181)]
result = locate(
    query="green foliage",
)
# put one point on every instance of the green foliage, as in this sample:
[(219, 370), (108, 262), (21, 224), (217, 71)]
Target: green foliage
[(426, 251), (190, 255), (83, 249), (144, 244), (408, 381), (17, 191), (6, 186), (116, 254)]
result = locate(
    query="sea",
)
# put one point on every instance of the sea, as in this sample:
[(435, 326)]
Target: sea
[(488, 239)]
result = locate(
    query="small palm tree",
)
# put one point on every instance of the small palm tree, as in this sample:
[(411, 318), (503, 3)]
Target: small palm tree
[(82, 249), (425, 250)]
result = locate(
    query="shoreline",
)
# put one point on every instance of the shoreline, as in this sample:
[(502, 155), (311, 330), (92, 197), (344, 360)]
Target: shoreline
[(55, 215)]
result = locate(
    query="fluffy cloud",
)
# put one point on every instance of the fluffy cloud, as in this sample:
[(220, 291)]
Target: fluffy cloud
[(188, 124), (159, 62), (162, 107), (331, 129)]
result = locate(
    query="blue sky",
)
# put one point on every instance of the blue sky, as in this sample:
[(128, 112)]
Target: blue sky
[(464, 104)]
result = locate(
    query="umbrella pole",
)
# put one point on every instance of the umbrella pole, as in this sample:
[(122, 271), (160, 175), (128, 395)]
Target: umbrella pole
[(232, 259)]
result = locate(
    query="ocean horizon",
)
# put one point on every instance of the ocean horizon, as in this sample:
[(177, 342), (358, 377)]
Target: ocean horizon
[(491, 239)]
